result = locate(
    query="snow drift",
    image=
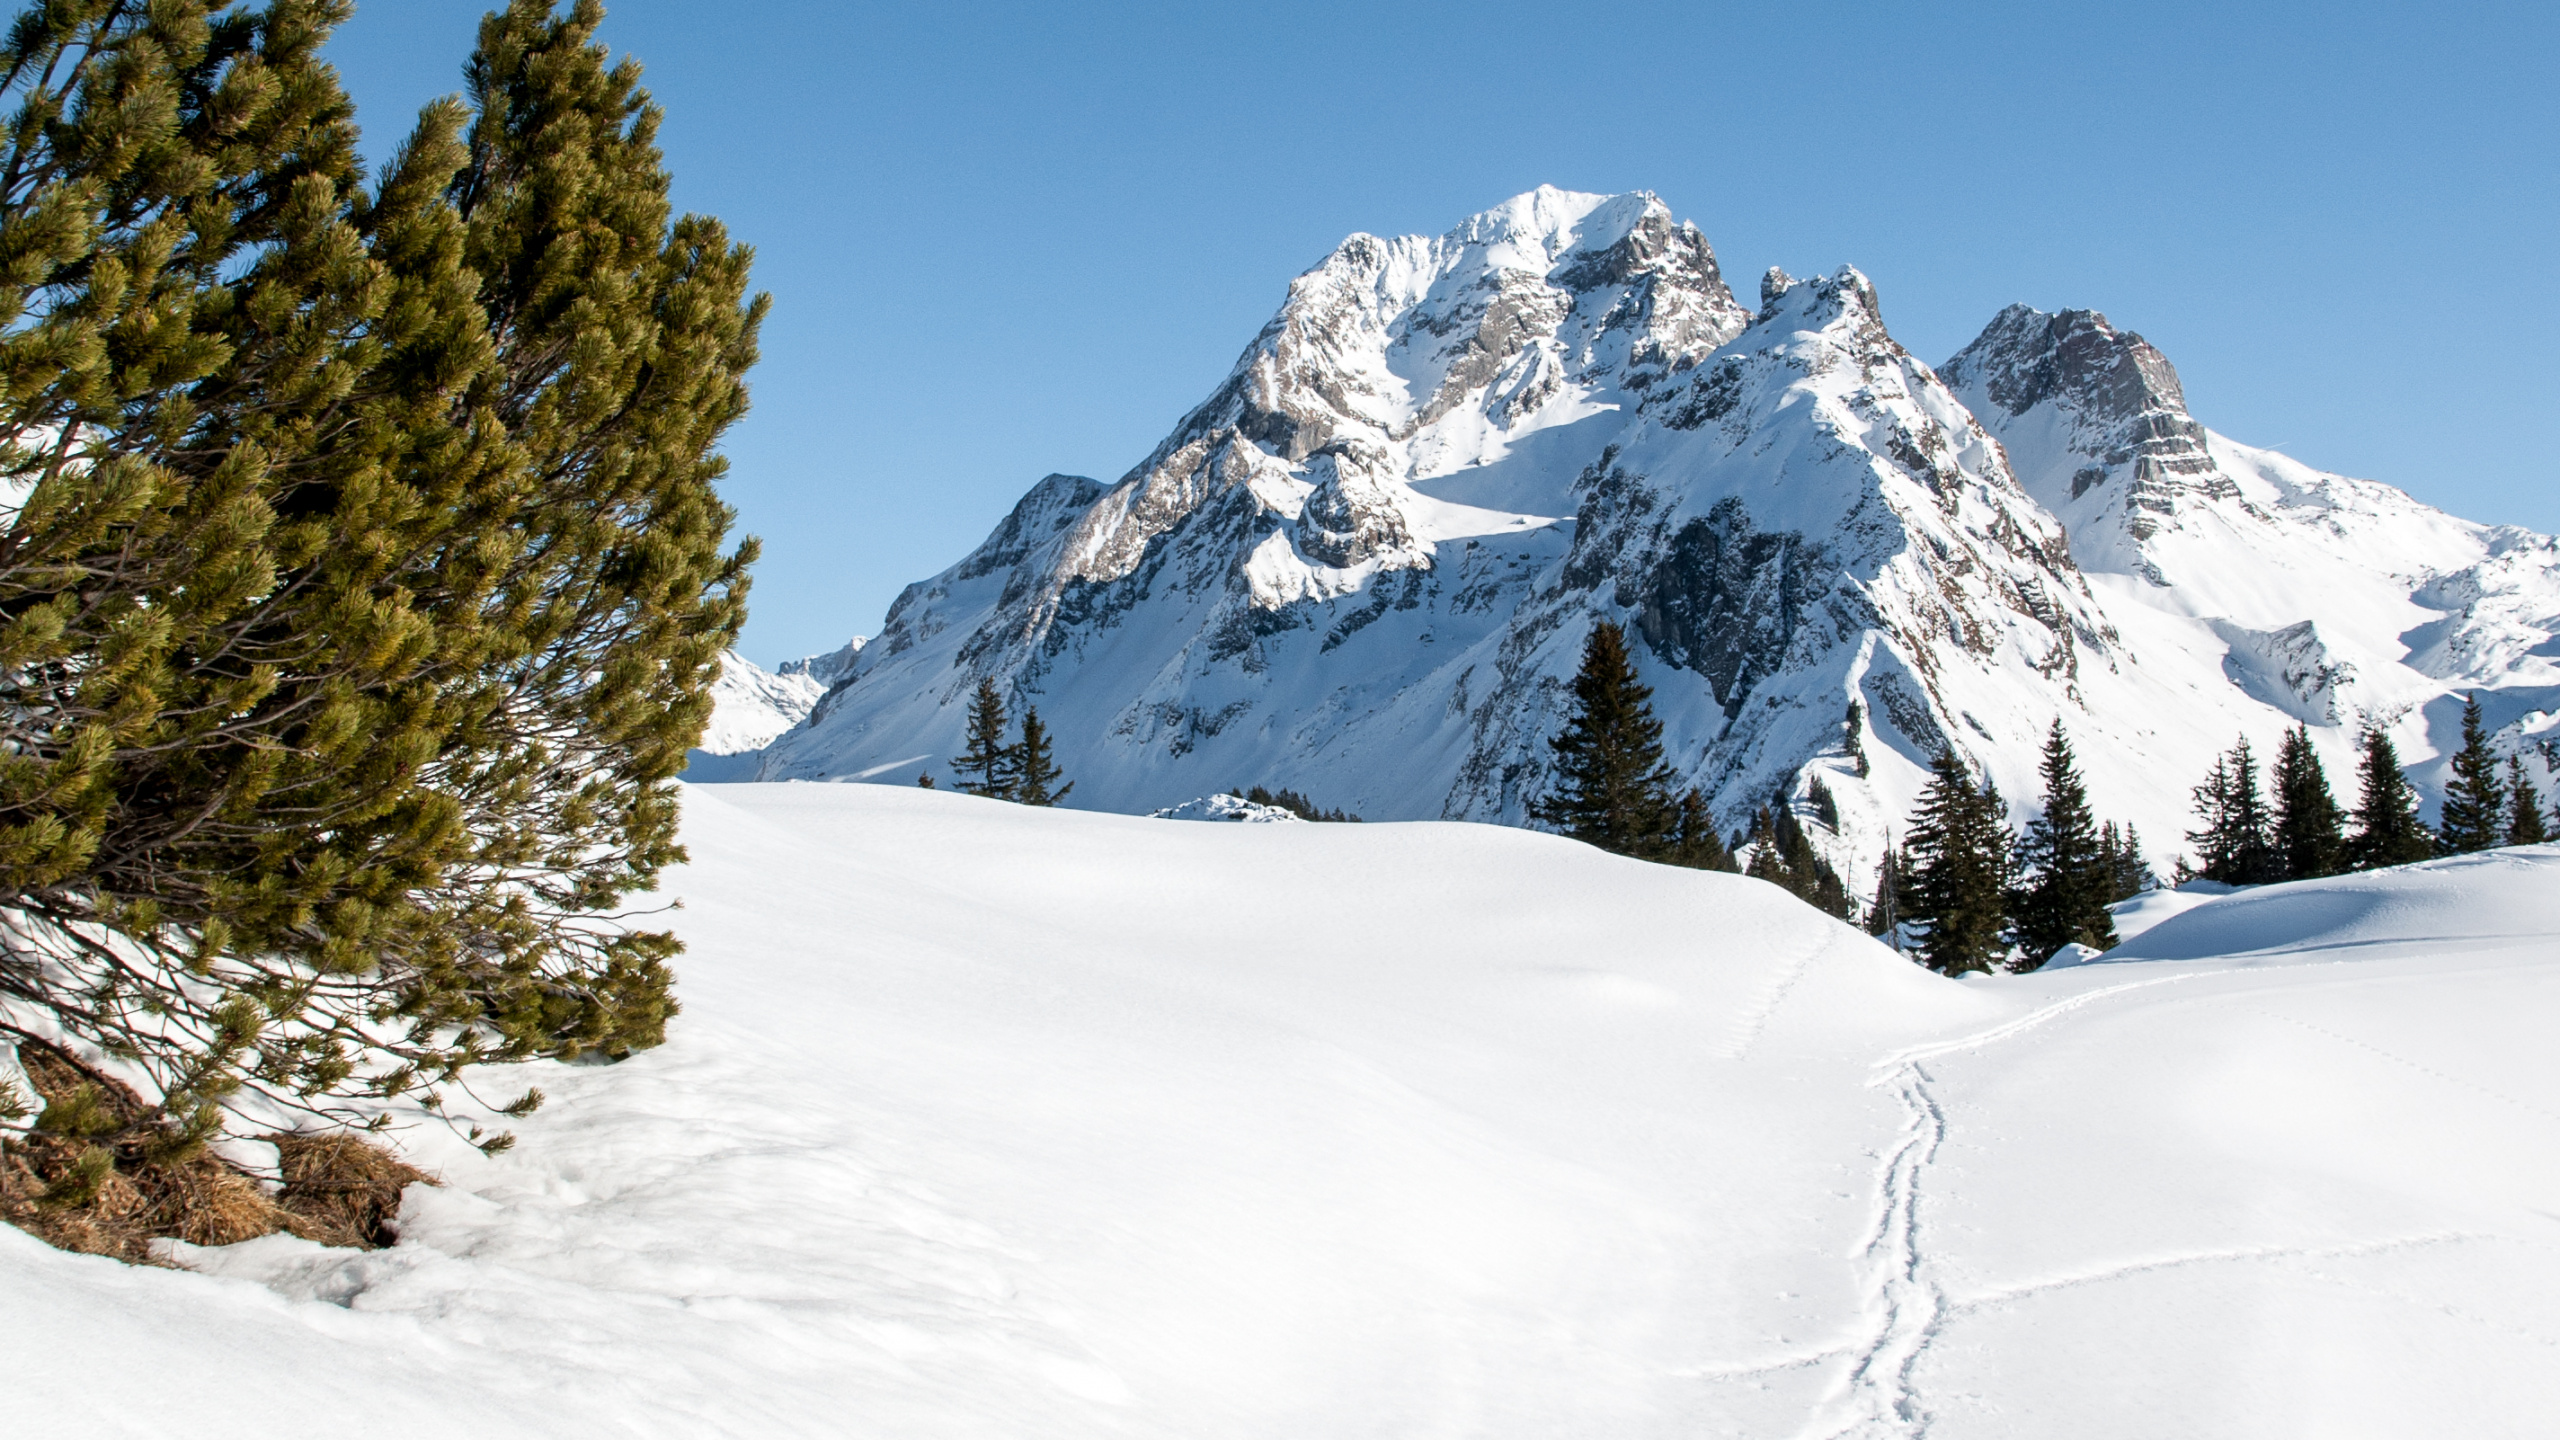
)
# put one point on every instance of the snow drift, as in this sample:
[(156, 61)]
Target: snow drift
[(984, 1121)]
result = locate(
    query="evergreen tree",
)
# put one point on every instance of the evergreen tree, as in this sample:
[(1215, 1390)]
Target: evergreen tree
[(1783, 855), (1612, 788), (1695, 844), (1884, 915), (2525, 825), (2310, 830), (2065, 902), (2236, 840), (351, 634), (987, 764), (1958, 866), (2129, 874), (1034, 773), (2388, 830), (2475, 800)]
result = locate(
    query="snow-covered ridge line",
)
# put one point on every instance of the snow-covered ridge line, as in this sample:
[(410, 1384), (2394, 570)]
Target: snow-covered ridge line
[(1364, 565)]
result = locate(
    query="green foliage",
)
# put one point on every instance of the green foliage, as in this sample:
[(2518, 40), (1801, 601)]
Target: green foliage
[(1296, 804), (2128, 874), (2237, 839), (2388, 830), (1784, 856), (1884, 913), (986, 762), (2310, 829), (1694, 842), (2074, 873), (363, 587), (1035, 772), (1957, 868), (2475, 799), (1612, 788), (2525, 825)]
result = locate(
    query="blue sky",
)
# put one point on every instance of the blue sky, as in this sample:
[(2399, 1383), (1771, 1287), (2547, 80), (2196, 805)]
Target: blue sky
[(1009, 239)]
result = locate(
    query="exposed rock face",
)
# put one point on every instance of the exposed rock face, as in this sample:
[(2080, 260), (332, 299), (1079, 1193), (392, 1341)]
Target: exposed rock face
[(1365, 566)]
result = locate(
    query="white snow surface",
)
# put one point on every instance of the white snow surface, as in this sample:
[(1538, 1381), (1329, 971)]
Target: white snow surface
[(986, 1121), (751, 705)]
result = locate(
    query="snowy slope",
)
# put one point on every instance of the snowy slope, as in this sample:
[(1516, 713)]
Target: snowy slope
[(751, 706), (2320, 599), (989, 1122), (1364, 567)]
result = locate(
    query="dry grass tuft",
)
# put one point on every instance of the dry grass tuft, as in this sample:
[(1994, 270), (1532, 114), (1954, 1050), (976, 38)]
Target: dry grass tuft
[(343, 1189), (102, 1191)]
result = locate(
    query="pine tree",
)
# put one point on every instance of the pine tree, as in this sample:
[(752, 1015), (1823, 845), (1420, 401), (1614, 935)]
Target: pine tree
[(2388, 830), (1034, 772), (986, 765), (1612, 788), (2066, 901), (2236, 840), (2310, 830), (2525, 825), (2475, 800), (348, 657), (1958, 866)]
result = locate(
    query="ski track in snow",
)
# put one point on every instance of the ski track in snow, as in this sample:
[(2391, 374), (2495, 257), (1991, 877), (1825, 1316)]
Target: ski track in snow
[(1905, 1305), (1754, 1018), (2429, 1071)]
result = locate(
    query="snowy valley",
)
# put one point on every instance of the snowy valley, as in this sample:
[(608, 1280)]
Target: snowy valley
[(989, 1121)]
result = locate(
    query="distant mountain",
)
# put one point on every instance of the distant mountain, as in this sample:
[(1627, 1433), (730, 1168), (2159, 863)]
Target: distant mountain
[(1364, 567), (750, 706)]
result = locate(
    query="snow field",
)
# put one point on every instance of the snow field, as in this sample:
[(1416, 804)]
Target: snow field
[(988, 1121)]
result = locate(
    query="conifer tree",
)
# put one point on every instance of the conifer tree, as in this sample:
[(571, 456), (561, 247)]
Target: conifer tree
[(1958, 865), (2065, 900), (2475, 800), (2525, 825), (986, 764), (2388, 830), (348, 661), (2128, 873), (1884, 914), (2310, 830), (1695, 844), (1035, 773), (1783, 855), (1612, 788), (2236, 840)]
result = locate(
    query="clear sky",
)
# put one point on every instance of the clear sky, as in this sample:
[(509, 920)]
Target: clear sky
[(1009, 239)]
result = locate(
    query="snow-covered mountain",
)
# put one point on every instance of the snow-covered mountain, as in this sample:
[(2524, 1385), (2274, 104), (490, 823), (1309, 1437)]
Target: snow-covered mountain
[(1364, 567), (751, 705)]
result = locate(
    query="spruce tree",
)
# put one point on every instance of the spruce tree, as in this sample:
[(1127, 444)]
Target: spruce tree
[(2128, 873), (1958, 865), (2236, 840), (986, 763), (2388, 830), (1695, 844), (2475, 800), (2525, 825), (1783, 855), (1884, 914), (2310, 830), (1034, 772), (2065, 900), (1612, 788)]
